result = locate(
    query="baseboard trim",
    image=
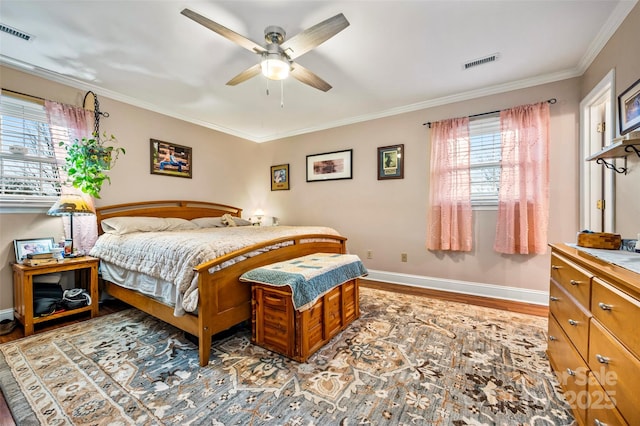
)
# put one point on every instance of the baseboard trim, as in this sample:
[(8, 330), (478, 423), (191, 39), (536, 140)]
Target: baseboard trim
[(534, 297), (6, 314)]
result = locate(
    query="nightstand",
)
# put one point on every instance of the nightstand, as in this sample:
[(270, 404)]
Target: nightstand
[(86, 271)]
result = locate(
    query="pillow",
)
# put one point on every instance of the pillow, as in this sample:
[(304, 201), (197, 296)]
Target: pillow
[(208, 222), (219, 222), (241, 222), (127, 224), (179, 224)]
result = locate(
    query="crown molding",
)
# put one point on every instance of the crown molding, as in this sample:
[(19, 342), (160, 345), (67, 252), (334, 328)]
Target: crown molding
[(609, 28)]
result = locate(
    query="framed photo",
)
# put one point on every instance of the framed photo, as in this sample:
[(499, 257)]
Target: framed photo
[(32, 246), (280, 177), (330, 166), (391, 162), (629, 108), (171, 159)]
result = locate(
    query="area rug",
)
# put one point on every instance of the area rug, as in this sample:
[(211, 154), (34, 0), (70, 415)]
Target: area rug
[(407, 361)]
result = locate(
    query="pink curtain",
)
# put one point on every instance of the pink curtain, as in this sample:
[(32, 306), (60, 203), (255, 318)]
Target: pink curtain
[(523, 200), (450, 211), (78, 122)]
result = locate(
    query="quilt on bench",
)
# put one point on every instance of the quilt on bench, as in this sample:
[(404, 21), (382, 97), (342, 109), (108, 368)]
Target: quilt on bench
[(309, 277)]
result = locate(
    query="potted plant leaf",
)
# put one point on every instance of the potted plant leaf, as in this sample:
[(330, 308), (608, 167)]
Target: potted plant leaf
[(87, 160)]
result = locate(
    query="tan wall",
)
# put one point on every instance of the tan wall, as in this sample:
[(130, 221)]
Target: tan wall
[(621, 53), (389, 216)]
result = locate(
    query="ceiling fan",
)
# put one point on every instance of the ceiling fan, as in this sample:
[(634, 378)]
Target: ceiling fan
[(277, 54)]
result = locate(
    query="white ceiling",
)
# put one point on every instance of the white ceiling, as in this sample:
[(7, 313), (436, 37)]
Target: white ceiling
[(396, 56)]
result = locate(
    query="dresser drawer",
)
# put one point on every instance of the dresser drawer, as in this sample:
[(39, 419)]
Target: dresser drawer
[(571, 370), (571, 316), (617, 371), (602, 410), (571, 277), (618, 312)]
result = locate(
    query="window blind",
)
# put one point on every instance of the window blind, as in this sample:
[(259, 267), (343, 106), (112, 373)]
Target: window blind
[(29, 171), (485, 151)]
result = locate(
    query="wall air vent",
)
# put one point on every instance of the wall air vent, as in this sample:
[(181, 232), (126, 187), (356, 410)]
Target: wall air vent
[(490, 58), (14, 32)]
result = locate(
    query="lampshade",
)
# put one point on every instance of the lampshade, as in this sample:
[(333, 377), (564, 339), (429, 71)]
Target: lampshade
[(71, 204), (274, 67)]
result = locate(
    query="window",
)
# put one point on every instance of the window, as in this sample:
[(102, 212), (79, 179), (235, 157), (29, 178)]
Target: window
[(485, 151), (29, 173)]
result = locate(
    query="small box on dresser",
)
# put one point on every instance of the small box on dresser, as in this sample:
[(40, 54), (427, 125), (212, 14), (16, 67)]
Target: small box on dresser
[(594, 346)]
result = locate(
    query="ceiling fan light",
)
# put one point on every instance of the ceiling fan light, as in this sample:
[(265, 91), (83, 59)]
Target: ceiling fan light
[(275, 68)]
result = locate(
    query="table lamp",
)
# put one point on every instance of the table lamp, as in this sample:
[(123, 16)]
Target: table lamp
[(70, 205)]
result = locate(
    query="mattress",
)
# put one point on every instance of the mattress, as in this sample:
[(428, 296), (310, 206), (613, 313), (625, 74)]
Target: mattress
[(161, 264), (161, 290)]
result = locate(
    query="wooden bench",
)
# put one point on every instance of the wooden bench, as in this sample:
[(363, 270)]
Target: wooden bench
[(280, 324)]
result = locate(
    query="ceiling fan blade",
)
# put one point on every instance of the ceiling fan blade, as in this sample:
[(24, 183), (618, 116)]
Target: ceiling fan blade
[(314, 36), (245, 75), (223, 31), (305, 76)]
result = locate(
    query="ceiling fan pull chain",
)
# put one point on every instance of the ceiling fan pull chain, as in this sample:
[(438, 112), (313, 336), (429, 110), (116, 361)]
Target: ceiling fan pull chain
[(281, 93), (267, 86)]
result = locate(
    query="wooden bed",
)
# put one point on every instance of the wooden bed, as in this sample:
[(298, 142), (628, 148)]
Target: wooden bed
[(224, 301)]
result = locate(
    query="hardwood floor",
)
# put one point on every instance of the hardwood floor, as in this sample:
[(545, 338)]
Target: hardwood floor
[(111, 306), (6, 419), (506, 305)]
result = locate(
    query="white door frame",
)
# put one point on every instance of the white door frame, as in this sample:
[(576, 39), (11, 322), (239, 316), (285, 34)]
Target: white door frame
[(605, 92)]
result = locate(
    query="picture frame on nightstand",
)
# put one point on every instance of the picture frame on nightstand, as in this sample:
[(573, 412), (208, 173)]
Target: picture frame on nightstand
[(32, 246)]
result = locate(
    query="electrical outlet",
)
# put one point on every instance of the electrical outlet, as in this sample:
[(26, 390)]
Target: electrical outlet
[(369, 254), (403, 257)]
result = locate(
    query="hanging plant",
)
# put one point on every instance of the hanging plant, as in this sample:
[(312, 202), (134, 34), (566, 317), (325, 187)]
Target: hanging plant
[(87, 160)]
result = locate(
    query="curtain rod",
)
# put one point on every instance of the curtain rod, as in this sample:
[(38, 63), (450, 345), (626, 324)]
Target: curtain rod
[(23, 94), (97, 111), (551, 101)]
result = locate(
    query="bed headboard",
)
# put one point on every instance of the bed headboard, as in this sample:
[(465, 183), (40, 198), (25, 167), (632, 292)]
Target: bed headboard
[(172, 208)]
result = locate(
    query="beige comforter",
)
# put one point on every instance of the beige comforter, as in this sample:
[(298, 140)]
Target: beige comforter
[(172, 255)]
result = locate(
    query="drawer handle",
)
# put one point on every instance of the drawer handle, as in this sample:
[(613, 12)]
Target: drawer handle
[(556, 267), (553, 298), (599, 423), (604, 306), (571, 372), (552, 338), (602, 359), (573, 322), (574, 282)]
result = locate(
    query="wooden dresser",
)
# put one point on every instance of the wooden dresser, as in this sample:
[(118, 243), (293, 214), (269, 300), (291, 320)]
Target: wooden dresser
[(594, 336)]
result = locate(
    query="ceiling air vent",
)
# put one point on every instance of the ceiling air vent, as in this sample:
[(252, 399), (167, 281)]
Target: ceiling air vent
[(14, 32), (490, 58)]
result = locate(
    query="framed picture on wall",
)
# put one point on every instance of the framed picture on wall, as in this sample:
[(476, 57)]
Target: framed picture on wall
[(330, 166), (280, 177), (629, 108), (171, 159), (391, 162)]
